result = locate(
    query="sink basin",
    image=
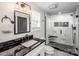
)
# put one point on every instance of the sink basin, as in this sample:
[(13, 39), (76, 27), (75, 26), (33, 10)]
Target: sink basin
[(29, 43)]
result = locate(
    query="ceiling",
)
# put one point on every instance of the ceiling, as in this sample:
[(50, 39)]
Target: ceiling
[(64, 7)]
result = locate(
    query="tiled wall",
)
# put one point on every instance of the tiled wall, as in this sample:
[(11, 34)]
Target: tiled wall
[(66, 36)]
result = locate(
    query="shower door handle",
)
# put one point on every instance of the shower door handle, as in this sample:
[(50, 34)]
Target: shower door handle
[(60, 31)]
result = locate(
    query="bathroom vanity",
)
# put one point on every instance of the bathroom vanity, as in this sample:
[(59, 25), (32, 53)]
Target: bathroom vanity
[(23, 47), (38, 51)]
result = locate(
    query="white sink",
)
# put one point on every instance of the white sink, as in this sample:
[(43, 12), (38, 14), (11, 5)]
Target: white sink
[(29, 43)]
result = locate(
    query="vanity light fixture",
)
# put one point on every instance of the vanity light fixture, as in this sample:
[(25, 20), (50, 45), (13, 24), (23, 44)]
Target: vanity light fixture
[(5, 18), (22, 4), (23, 7)]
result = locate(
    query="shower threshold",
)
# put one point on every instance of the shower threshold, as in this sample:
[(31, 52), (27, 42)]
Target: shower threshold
[(62, 47)]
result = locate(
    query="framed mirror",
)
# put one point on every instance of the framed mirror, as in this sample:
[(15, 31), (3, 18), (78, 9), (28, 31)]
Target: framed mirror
[(22, 22)]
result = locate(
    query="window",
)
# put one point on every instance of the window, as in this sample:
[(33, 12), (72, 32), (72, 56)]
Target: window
[(35, 20)]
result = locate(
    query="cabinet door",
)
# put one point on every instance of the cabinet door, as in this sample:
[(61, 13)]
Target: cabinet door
[(37, 51)]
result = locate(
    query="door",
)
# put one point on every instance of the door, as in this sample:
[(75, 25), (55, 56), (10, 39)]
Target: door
[(63, 33)]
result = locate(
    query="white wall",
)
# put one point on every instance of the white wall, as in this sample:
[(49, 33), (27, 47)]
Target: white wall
[(7, 8), (66, 36), (48, 18), (39, 32), (77, 26)]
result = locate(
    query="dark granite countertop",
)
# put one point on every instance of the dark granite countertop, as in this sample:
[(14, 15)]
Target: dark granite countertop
[(20, 50), (26, 50)]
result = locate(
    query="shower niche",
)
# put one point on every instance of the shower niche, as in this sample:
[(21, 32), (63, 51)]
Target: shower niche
[(61, 24)]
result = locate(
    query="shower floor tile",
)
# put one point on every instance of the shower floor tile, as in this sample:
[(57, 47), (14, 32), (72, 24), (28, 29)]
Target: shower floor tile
[(61, 53), (62, 49)]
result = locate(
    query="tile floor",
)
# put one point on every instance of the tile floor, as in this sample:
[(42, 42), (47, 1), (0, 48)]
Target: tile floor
[(59, 53)]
